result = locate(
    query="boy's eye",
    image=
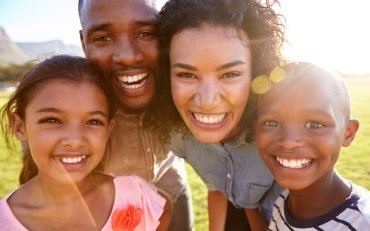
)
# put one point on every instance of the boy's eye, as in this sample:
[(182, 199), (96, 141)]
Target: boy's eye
[(314, 125), (96, 122), (185, 75), (49, 120), (231, 74), (270, 123)]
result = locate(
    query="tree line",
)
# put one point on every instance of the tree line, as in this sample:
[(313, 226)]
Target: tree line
[(14, 72)]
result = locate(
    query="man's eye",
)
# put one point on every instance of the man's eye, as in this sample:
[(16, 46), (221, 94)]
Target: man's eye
[(103, 39), (146, 35), (314, 125), (270, 123)]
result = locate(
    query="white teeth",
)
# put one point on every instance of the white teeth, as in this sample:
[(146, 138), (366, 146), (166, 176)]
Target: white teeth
[(209, 119), (132, 78), (127, 81), (72, 160), (294, 163)]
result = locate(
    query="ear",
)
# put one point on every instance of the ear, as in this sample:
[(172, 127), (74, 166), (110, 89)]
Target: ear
[(111, 125), (82, 40), (350, 132), (18, 127)]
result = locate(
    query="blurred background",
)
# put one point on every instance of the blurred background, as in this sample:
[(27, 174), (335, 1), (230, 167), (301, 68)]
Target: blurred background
[(331, 33)]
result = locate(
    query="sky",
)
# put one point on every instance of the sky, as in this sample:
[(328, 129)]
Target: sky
[(332, 33)]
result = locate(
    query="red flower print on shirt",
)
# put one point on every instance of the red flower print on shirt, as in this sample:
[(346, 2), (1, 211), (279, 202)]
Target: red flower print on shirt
[(126, 219)]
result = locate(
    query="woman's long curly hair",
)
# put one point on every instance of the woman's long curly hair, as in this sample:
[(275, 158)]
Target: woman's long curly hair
[(264, 27)]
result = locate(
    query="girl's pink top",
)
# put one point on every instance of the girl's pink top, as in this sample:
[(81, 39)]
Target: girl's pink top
[(129, 190)]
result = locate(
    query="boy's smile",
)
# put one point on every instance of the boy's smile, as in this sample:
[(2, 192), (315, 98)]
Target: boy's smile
[(301, 128)]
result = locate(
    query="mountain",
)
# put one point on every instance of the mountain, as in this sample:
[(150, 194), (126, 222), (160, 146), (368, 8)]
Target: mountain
[(10, 52), (42, 50), (21, 52)]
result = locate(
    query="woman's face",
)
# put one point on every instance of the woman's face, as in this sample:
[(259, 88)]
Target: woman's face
[(211, 70)]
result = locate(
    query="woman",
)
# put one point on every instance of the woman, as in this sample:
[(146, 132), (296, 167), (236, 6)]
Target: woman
[(212, 49)]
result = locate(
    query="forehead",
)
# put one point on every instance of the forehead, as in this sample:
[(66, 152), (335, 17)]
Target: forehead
[(300, 87), (99, 12), (209, 40), (66, 91)]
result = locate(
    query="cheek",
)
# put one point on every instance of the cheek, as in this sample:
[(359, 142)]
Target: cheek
[(179, 92)]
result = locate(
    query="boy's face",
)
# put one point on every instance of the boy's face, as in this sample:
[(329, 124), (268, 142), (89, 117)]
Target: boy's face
[(300, 130)]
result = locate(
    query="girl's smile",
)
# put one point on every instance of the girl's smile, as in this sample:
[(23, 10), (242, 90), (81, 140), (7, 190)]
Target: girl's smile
[(66, 132)]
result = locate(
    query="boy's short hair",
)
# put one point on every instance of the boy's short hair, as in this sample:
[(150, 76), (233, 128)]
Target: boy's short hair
[(310, 70)]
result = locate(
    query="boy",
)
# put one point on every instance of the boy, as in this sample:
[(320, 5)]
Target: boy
[(302, 123)]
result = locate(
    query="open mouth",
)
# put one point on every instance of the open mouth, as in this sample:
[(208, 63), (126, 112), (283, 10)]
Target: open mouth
[(71, 160), (209, 119), (294, 163), (133, 82)]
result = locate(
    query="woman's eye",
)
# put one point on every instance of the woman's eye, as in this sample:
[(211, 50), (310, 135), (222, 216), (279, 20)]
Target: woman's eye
[(49, 120), (231, 74), (270, 123), (185, 75), (314, 125)]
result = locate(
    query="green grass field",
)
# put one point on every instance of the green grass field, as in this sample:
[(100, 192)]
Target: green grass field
[(354, 162)]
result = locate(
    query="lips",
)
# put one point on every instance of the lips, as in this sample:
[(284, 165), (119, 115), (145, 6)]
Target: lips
[(71, 162), (294, 163), (209, 118), (133, 82)]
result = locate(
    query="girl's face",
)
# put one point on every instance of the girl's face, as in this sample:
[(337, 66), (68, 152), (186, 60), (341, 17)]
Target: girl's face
[(210, 80), (66, 126)]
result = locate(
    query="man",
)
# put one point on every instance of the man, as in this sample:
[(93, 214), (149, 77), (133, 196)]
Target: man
[(120, 37)]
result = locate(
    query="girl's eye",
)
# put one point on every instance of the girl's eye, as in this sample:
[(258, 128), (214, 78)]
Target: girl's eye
[(314, 125), (231, 74), (49, 120), (96, 122), (185, 75), (270, 123)]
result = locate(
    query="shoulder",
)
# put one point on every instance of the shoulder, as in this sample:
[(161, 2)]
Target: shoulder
[(363, 202), (7, 219)]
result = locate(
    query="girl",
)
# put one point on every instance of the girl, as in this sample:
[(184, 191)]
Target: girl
[(62, 111), (212, 49)]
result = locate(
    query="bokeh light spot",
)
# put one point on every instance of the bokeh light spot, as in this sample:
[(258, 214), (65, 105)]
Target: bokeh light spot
[(261, 84), (277, 75)]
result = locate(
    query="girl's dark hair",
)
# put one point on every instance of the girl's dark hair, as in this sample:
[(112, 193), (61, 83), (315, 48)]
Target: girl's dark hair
[(260, 22), (61, 67)]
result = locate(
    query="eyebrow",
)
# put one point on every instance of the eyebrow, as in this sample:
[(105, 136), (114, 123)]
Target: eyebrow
[(105, 26), (222, 67), (55, 110)]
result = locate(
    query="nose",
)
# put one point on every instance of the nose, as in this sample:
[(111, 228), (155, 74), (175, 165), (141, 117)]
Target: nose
[(73, 137), (290, 137), (208, 94), (127, 52)]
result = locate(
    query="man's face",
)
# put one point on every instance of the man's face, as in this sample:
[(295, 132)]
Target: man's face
[(120, 37)]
